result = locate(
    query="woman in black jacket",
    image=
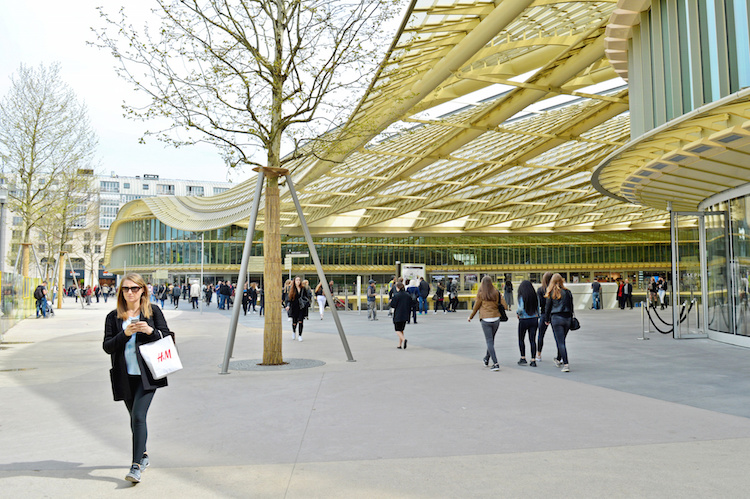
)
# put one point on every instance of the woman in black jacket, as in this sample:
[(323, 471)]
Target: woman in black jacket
[(297, 302), (135, 322), (540, 292), (558, 313), (401, 303)]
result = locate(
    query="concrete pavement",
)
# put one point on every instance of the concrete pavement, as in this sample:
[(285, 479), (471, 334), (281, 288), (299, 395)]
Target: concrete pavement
[(658, 418)]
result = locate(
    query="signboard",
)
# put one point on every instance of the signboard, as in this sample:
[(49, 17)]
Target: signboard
[(160, 274), (288, 262), (298, 254), (255, 264), (412, 271)]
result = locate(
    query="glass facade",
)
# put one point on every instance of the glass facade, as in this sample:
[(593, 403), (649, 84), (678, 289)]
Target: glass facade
[(685, 54), (728, 263), (143, 244)]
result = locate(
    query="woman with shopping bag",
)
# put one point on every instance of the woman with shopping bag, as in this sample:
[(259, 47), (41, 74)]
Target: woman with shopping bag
[(135, 322)]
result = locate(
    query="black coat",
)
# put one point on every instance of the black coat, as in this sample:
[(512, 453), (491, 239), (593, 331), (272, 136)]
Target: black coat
[(401, 304), (114, 344)]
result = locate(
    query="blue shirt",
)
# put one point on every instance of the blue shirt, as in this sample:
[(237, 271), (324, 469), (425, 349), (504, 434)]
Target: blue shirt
[(131, 359), (522, 311)]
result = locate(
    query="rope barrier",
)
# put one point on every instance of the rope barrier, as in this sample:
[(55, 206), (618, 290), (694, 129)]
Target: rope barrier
[(683, 316)]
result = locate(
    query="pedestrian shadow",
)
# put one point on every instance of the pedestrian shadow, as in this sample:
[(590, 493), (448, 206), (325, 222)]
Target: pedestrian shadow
[(60, 469)]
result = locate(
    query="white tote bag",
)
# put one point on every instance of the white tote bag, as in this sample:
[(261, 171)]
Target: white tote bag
[(161, 357)]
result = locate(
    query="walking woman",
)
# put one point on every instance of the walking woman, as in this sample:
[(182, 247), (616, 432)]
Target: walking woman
[(135, 321), (528, 320), (487, 302), (245, 298), (652, 292), (439, 297), (253, 295), (308, 297), (542, 305), (558, 312), (296, 307), (401, 303), (508, 292), (321, 298)]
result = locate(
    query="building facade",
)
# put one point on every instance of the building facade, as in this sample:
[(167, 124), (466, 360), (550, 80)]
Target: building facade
[(688, 68), (85, 248)]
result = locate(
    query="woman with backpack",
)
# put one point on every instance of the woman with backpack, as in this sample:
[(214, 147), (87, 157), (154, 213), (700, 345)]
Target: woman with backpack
[(528, 321)]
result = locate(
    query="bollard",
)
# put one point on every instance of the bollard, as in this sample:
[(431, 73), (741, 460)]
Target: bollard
[(643, 324), (698, 317)]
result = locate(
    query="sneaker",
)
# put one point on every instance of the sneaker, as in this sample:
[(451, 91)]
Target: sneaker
[(533, 363), (495, 367), (294, 336), (538, 358), (445, 312), (558, 363), (566, 369), (486, 362), (144, 461), (522, 362), (134, 475), (299, 338)]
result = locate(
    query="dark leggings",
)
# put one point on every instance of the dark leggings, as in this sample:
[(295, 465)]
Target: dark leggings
[(138, 407), (442, 305), (540, 336), (299, 323), (524, 326), (560, 327)]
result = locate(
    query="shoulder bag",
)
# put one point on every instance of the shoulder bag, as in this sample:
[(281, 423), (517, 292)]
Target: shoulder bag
[(501, 309)]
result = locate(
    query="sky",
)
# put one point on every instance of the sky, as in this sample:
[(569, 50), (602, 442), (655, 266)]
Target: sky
[(48, 31)]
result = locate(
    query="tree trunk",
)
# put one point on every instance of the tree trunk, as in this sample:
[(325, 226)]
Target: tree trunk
[(26, 248), (272, 354)]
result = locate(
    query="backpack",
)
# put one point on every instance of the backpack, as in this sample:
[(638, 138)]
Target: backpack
[(38, 292)]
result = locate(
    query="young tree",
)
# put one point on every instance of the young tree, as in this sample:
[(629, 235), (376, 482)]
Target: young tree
[(251, 77), (45, 137)]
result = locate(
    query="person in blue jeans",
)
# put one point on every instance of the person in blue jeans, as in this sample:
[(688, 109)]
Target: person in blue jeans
[(596, 295), (424, 292), (40, 293), (558, 314), (487, 302), (528, 321)]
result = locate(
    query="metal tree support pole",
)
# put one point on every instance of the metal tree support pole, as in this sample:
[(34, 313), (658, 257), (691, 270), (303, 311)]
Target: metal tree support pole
[(202, 296), (61, 278), (319, 268), (243, 270)]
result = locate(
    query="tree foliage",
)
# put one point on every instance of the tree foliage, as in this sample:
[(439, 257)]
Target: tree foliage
[(249, 75), (47, 148)]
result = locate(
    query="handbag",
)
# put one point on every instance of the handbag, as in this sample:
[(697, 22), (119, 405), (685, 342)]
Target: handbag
[(501, 309), (161, 356), (574, 324)]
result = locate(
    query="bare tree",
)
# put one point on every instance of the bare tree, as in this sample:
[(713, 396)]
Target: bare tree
[(251, 77), (45, 139)]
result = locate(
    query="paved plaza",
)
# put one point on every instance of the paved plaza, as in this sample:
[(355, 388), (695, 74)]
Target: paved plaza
[(657, 418)]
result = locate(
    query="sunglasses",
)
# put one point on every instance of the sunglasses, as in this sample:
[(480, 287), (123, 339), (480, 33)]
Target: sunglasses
[(132, 289)]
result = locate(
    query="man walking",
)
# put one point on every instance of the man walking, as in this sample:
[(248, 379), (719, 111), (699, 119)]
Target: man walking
[(195, 293), (371, 308), (424, 292), (628, 293)]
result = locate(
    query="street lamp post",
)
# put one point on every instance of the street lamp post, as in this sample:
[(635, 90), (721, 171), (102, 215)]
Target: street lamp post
[(3, 224)]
